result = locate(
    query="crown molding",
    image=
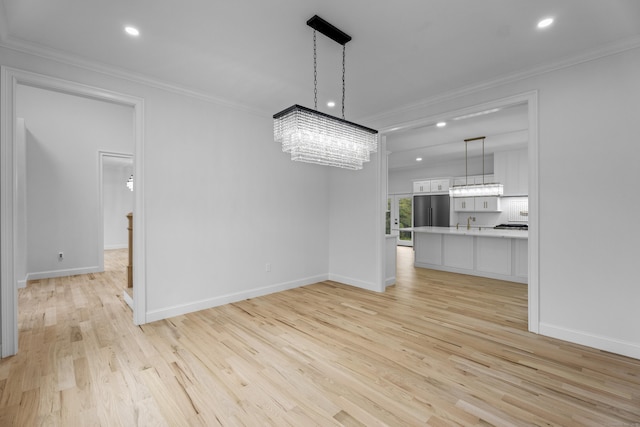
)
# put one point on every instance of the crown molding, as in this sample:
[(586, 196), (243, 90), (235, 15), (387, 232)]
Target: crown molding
[(608, 50), (50, 54), (119, 73)]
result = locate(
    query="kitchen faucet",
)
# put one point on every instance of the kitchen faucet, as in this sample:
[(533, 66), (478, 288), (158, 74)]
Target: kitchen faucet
[(471, 218)]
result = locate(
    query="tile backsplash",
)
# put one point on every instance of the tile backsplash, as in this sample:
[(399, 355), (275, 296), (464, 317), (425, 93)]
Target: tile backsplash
[(512, 212), (518, 210)]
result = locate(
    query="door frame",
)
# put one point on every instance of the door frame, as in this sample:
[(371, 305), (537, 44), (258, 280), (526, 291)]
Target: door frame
[(395, 214), (101, 157), (10, 78)]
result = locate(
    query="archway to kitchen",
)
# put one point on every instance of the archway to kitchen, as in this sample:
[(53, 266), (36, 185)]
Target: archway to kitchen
[(402, 165)]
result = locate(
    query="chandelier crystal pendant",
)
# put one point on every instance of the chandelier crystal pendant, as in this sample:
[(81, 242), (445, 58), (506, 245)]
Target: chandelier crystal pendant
[(475, 190), (314, 137)]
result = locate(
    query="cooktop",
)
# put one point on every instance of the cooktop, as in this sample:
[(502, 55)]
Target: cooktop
[(512, 227)]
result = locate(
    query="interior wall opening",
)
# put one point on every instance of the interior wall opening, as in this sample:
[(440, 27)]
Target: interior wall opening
[(420, 150), (55, 180)]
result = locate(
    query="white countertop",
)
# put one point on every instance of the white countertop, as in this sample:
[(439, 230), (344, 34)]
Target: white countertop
[(474, 231)]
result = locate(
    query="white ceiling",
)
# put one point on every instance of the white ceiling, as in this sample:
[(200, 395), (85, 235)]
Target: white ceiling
[(258, 54), (505, 129)]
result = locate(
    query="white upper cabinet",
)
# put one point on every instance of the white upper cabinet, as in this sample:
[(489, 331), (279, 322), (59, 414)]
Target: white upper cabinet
[(440, 185), (476, 204), (422, 186), (432, 186), (511, 169), (464, 204), (487, 204)]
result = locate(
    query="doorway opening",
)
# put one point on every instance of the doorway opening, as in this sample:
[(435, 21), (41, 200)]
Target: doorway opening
[(405, 160), (402, 218), (116, 199), (13, 81), (116, 208)]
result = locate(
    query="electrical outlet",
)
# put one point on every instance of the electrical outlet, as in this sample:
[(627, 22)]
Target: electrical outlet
[(60, 256), (267, 267)]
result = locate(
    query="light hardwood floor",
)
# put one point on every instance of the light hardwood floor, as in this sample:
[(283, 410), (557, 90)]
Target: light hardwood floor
[(435, 349)]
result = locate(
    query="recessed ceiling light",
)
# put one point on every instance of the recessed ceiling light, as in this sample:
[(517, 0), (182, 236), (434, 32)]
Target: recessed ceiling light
[(545, 23), (418, 159), (441, 124), (132, 31), (331, 104)]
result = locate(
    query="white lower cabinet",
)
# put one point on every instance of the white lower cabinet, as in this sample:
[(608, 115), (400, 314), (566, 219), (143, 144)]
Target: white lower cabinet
[(496, 257), (428, 250), (458, 252), (521, 261)]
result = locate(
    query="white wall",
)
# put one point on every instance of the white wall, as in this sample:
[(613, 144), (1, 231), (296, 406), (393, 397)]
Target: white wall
[(21, 208), (64, 135), (355, 232), (221, 199), (588, 161), (118, 202), (588, 133)]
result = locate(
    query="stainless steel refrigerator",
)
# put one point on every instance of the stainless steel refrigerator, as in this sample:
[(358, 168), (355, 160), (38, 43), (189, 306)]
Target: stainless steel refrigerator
[(431, 211)]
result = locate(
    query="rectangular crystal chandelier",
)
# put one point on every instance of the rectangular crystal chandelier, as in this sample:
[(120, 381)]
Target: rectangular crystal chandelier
[(314, 137), (475, 190)]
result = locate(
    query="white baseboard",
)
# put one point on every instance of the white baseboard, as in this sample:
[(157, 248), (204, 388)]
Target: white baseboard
[(599, 342), (355, 282), (120, 246), (508, 278), (390, 281), (127, 299), (21, 284), (61, 273), (178, 310)]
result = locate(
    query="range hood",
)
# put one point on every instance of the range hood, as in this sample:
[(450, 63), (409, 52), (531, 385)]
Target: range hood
[(475, 190)]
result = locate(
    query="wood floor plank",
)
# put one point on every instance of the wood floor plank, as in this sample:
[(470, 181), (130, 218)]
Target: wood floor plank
[(435, 349)]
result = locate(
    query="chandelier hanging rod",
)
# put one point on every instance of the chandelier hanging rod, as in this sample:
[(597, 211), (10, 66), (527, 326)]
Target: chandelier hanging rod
[(475, 190), (328, 30), (475, 139)]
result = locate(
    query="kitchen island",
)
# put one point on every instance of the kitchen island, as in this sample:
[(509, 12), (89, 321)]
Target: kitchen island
[(487, 252)]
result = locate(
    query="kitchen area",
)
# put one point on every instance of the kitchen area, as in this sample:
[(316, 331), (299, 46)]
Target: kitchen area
[(467, 208)]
